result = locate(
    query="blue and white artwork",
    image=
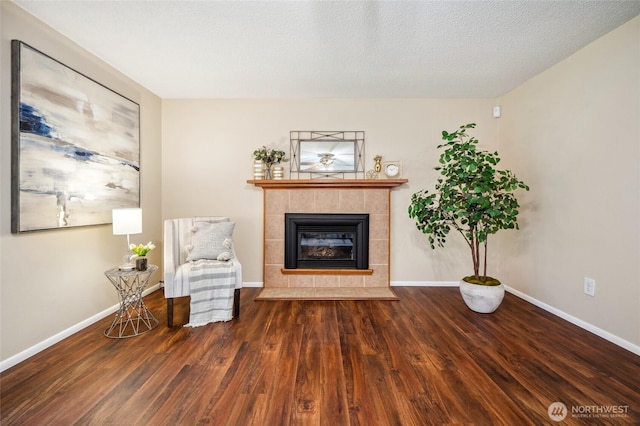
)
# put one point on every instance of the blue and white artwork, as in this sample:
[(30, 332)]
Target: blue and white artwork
[(76, 146)]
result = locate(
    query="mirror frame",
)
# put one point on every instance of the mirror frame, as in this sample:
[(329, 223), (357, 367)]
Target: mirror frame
[(327, 153)]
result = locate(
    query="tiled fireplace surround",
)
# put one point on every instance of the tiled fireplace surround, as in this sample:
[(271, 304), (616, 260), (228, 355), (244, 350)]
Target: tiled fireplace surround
[(327, 196)]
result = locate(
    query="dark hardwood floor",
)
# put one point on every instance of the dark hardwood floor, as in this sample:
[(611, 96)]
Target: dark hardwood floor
[(425, 359)]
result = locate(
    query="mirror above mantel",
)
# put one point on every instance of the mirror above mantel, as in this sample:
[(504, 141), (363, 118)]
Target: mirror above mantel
[(327, 154)]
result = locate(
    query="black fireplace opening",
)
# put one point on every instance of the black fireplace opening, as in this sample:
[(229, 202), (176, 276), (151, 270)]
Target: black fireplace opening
[(326, 241)]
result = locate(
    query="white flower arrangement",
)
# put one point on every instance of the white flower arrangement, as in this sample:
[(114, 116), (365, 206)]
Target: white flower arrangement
[(141, 250), (270, 155)]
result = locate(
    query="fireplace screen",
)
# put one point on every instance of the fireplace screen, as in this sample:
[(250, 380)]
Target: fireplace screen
[(326, 245), (321, 241)]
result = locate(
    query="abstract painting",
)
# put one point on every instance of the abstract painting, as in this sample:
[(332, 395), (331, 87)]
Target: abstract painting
[(75, 152)]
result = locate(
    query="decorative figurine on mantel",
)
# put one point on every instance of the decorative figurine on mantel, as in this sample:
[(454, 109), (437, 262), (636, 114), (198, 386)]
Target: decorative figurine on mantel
[(373, 174)]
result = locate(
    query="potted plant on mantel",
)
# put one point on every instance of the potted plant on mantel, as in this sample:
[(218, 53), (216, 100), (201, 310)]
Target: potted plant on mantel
[(474, 198)]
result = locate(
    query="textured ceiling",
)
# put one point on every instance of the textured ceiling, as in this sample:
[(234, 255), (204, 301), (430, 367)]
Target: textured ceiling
[(355, 49)]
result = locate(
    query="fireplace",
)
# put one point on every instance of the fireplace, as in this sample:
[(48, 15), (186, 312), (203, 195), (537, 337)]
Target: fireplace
[(326, 241), (371, 197)]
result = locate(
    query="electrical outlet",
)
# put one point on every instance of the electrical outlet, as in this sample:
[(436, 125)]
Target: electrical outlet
[(590, 286)]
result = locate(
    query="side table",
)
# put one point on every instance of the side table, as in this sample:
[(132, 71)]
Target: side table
[(133, 318)]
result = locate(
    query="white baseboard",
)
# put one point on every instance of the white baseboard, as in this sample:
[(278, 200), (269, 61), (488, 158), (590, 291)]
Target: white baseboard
[(10, 362), (252, 284), (425, 283), (557, 312), (577, 321)]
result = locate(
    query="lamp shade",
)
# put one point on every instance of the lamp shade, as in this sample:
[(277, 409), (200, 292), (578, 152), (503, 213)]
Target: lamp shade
[(127, 221)]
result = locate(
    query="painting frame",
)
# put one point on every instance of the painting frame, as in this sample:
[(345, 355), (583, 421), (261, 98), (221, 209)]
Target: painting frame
[(75, 146)]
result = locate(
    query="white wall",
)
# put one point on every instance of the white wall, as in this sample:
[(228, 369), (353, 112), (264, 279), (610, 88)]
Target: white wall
[(573, 134), (53, 280), (207, 147)]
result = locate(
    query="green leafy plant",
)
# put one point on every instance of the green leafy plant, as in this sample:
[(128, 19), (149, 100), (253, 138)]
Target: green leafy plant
[(471, 196), (270, 155)]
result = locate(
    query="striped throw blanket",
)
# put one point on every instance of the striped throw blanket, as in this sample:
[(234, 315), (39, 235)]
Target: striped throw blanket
[(212, 284)]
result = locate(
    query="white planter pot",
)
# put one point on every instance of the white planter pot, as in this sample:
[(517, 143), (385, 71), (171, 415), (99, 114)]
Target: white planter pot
[(481, 298)]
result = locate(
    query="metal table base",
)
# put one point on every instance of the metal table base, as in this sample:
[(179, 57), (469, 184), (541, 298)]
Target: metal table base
[(133, 317)]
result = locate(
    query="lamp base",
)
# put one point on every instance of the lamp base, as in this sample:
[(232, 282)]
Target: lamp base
[(127, 267)]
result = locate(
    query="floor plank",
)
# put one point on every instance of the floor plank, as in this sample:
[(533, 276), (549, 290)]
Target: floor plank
[(423, 359)]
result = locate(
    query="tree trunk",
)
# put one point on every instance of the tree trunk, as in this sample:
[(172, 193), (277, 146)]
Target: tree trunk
[(475, 254), (485, 256)]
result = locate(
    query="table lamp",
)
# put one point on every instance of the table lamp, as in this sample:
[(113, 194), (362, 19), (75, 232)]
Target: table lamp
[(126, 222)]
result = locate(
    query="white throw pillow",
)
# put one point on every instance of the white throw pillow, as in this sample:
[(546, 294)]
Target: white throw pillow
[(211, 219), (211, 241)]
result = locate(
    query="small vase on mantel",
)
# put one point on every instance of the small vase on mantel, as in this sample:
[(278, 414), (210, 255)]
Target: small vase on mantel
[(277, 172), (258, 170)]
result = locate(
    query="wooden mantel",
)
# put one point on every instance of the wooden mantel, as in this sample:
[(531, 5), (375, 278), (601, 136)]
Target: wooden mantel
[(327, 183)]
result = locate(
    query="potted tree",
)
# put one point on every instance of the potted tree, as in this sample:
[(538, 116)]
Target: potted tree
[(475, 199)]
